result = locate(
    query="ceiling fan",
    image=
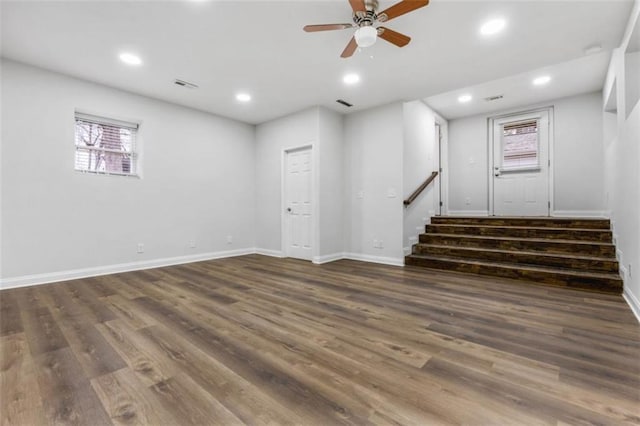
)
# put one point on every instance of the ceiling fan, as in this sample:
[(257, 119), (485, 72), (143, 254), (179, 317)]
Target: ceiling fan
[(365, 16)]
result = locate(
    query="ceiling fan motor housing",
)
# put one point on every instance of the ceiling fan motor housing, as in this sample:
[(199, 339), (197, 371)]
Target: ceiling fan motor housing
[(365, 17), (371, 5), (368, 17)]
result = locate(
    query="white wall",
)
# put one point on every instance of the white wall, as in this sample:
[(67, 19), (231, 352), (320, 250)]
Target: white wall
[(577, 158), (331, 183), (467, 164), (198, 182), (272, 139), (420, 159), (578, 152), (322, 129), (622, 161), (373, 193)]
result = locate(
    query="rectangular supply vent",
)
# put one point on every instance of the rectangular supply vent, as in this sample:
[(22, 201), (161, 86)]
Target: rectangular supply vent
[(345, 103), (493, 98), (185, 84)]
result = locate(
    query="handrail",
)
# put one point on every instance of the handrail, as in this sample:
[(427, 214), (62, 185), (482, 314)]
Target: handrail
[(421, 188)]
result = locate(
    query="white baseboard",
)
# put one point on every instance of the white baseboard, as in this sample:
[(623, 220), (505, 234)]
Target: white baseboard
[(633, 302), (406, 250), (481, 213), (598, 214), (267, 252), (46, 278), (393, 261), (319, 260)]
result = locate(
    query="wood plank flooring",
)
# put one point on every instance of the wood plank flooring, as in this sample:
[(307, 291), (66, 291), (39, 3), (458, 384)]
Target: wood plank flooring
[(257, 340)]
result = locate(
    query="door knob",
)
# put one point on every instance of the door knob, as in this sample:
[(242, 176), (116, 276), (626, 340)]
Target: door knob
[(289, 209)]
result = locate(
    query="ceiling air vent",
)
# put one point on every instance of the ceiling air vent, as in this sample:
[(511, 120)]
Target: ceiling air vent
[(345, 103), (185, 84), (493, 98)]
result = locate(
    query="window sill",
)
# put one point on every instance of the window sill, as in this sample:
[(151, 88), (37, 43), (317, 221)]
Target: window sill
[(89, 172)]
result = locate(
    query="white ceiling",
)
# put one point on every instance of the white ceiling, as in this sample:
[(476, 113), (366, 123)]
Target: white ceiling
[(259, 47), (582, 75)]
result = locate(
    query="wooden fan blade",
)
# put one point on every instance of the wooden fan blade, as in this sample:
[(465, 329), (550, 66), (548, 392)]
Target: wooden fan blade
[(398, 9), (326, 27), (350, 49), (393, 37), (358, 5)]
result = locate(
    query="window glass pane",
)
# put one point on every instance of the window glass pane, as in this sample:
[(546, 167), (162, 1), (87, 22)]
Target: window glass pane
[(104, 147), (520, 145)]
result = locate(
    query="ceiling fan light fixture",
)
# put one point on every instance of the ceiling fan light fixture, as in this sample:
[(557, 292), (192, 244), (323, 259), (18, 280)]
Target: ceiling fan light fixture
[(366, 36)]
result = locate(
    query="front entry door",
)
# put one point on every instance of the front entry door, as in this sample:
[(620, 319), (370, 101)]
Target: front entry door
[(521, 165), (299, 223)]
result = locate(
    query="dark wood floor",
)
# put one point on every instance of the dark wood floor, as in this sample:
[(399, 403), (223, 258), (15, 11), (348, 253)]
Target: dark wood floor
[(270, 341)]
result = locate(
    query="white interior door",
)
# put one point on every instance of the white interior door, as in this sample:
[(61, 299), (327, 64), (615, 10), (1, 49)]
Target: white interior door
[(521, 165), (298, 194)]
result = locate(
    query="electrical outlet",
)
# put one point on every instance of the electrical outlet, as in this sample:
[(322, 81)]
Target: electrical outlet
[(229, 239), (140, 247), (380, 244), (192, 243), (467, 201), (375, 243)]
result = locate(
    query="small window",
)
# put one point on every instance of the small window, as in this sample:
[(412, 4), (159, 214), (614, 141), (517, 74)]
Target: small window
[(520, 145), (105, 146)]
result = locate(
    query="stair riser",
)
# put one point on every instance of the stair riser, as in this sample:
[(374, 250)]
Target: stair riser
[(541, 246), (550, 222), (520, 258), (557, 279), (550, 233)]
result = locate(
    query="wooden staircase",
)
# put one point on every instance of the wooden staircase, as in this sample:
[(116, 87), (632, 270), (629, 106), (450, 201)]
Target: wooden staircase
[(576, 253)]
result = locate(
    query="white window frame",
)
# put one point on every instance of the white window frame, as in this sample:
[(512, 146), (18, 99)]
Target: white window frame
[(525, 168), (134, 153)]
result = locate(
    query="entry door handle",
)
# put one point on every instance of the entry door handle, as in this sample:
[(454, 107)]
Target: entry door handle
[(289, 209)]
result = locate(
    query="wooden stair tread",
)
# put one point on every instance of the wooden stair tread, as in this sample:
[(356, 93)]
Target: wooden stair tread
[(544, 221), (522, 252), (537, 228), (577, 274), (550, 218), (540, 240), (570, 252)]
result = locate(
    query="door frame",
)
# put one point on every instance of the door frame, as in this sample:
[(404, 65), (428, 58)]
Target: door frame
[(550, 148), (315, 232), (443, 165)]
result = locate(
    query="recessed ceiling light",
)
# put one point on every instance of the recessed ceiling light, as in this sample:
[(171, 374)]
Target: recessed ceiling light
[(542, 80), (464, 98), (351, 78), (130, 59), (243, 97), (493, 26)]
